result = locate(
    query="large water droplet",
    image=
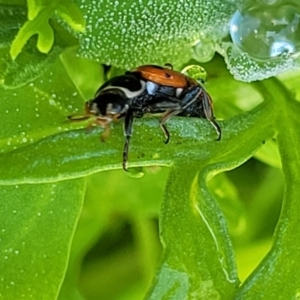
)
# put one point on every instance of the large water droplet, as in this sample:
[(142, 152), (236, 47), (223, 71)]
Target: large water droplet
[(203, 50), (196, 72), (267, 29)]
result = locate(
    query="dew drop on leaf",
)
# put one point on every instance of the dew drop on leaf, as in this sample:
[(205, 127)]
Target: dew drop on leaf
[(196, 72), (266, 30), (136, 172), (203, 51), (130, 33)]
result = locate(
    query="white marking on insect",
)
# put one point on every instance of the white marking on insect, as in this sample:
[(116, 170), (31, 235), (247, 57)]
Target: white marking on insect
[(151, 87), (178, 92), (129, 94), (94, 109)]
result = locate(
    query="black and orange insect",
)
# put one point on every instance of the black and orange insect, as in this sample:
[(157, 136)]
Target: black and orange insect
[(148, 89)]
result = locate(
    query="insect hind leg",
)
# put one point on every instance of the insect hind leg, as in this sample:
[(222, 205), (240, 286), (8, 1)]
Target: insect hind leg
[(190, 96), (208, 112)]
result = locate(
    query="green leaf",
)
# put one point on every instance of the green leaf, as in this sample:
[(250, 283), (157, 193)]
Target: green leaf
[(37, 110), (269, 154), (91, 155), (71, 14), (50, 148), (30, 63), (131, 33), (138, 202), (198, 259), (47, 143), (192, 225), (39, 26), (37, 226), (277, 277), (226, 193), (39, 13)]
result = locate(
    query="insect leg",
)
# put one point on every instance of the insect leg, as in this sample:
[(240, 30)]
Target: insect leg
[(105, 133), (127, 132), (164, 118), (104, 123), (207, 106), (190, 96), (162, 104)]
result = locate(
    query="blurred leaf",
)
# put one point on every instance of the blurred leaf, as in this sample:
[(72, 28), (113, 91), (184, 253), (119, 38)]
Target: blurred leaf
[(40, 26), (30, 63), (273, 279), (71, 14), (138, 201), (226, 193), (248, 257), (37, 110), (92, 222), (37, 227), (269, 154), (260, 188), (198, 259), (87, 75), (192, 225), (39, 13)]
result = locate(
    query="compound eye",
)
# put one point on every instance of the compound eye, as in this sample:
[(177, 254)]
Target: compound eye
[(114, 108), (88, 106), (93, 107)]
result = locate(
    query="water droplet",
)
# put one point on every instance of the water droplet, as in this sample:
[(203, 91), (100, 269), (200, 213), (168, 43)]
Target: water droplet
[(266, 30), (203, 50), (135, 172), (52, 102), (196, 72)]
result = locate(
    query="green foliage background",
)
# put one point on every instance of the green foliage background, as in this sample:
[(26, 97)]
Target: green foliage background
[(208, 220)]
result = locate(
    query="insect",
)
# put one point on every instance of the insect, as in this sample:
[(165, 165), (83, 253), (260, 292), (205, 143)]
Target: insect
[(148, 89)]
